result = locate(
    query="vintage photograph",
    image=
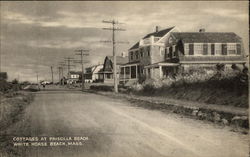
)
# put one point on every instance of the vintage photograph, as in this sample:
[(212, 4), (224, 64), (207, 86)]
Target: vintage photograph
[(124, 79)]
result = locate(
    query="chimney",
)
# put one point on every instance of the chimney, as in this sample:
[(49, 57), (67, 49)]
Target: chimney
[(202, 30), (157, 29)]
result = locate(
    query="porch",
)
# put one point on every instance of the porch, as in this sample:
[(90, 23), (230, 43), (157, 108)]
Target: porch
[(129, 72), (161, 70)]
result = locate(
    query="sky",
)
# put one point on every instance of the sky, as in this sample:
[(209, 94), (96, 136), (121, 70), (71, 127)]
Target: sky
[(36, 35)]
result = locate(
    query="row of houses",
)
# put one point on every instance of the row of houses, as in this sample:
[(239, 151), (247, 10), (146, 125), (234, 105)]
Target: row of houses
[(168, 52)]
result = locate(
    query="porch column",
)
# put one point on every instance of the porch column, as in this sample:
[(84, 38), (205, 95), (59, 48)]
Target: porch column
[(160, 71), (136, 71), (129, 72), (152, 72)]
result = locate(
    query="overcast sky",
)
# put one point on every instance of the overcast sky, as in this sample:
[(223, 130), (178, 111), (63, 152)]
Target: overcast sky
[(36, 35)]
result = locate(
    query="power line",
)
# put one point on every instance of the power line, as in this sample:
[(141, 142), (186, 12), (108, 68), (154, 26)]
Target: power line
[(113, 29)]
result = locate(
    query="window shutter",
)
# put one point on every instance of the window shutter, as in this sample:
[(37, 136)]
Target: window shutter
[(212, 49), (205, 49), (224, 49), (238, 49), (191, 49)]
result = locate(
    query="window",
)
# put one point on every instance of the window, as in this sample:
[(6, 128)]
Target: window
[(137, 54), (122, 70), (170, 52), (174, 53), (133, 71), (198, 49), (161, 51), (191, 49), (148, 50), (186, 48), (166, 52), (231, 49), (173, 48), (217, 49), (131, 55), (141, 52)]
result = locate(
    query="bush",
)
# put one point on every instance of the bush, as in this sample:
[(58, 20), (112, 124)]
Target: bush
[(101, 87), (5, 86), (221, 87)]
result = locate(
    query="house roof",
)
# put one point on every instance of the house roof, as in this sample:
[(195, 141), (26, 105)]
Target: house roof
[(207, 37), (119, 59), (75, 72), (93, 68), (135, 46), (160, 33)]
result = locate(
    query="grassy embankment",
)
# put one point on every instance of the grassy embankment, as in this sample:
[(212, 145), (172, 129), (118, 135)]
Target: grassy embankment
[(12, 103), (223, 89)]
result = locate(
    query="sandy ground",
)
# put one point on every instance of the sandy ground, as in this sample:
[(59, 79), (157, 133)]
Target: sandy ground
[(116, 128)]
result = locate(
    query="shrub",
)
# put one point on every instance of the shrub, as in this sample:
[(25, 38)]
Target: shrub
[(101, 87)]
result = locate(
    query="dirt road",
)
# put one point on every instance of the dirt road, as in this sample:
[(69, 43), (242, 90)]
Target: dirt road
[(116, 128)]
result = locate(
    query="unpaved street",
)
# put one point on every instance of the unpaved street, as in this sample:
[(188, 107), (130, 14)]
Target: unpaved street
[(116, 128)]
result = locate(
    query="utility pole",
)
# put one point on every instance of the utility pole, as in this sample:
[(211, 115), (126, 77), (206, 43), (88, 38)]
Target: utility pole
[(113, 29), (82, 54), (69, 59), (37, 81), (52, 74), (59, 74), (62, 64)]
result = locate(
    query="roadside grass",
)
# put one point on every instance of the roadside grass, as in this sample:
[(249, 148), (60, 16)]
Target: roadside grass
[(11, 108), (11, 111)]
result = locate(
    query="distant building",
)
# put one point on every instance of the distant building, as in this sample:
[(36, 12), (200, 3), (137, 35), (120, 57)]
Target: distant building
[(167, 52), (74, 77), (107, 71), (3, 76), (92, 73)]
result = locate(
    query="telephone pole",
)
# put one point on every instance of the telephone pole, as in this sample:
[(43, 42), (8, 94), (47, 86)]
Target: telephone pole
[(62, 65), (82, 54), (52, 74), (69, 60), (59, 74), (114, 29), (37, 80)]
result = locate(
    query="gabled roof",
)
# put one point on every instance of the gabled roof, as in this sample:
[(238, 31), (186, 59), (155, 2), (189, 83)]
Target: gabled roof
[(119, 59), (160, 33), (92, 68), (135, 46), (207, 37)]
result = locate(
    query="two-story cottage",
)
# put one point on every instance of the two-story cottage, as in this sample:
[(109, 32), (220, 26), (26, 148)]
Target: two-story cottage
[(148, 51), (74, 77), (169, 51), (195, 50), (107, 71)]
